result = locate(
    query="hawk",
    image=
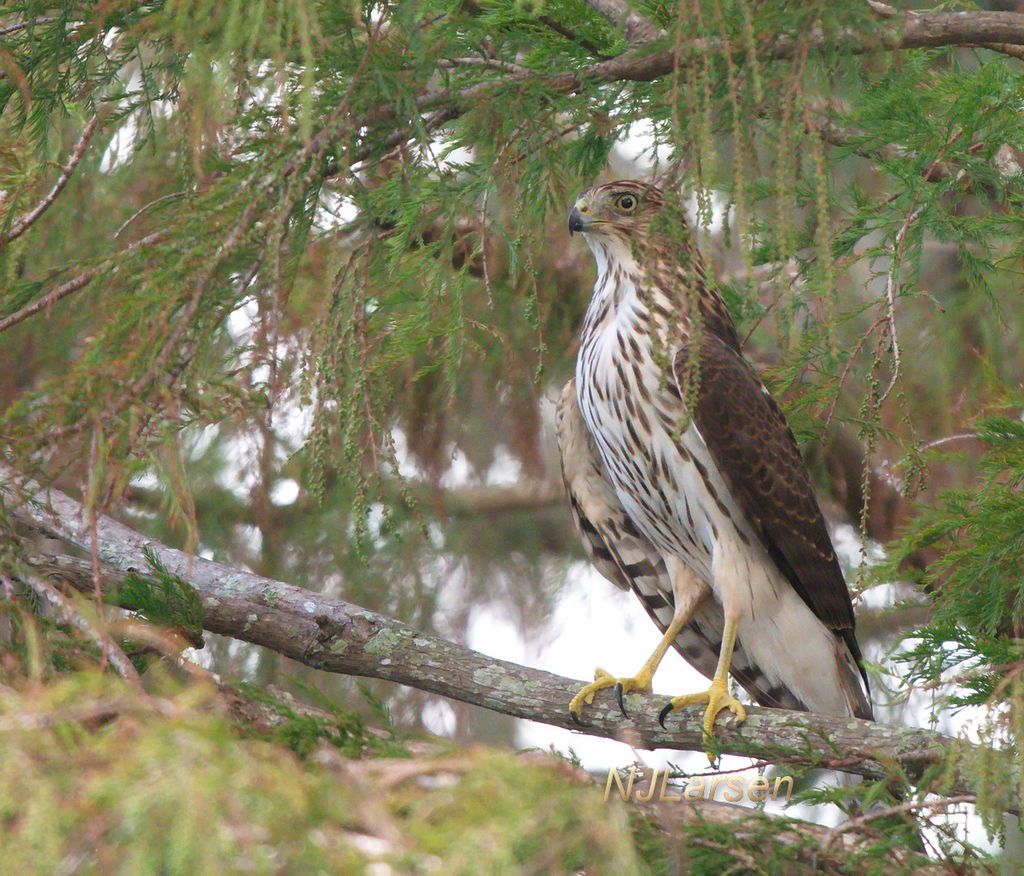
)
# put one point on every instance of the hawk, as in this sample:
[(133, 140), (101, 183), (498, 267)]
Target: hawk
[(687, 486)]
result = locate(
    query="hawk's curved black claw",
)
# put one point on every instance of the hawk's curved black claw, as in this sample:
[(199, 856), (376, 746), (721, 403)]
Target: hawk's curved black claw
[(664, 714), (578, 721), (618, 696)]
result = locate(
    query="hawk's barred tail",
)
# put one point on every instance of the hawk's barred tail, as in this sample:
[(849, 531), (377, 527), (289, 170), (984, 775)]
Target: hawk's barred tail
[(701, 640)]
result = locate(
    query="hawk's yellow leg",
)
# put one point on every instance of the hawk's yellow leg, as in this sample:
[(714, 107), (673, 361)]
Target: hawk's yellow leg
[(717, 696), (640, 682)]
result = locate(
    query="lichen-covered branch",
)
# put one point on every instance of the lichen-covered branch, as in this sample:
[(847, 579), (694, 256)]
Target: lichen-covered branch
[(337, 636)]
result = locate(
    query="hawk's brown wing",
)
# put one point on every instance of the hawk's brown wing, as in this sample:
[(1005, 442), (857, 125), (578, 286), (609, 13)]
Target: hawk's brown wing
[(757, 456)]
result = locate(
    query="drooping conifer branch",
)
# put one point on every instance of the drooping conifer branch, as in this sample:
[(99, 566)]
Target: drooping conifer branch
[(337, 636), (646, 62)]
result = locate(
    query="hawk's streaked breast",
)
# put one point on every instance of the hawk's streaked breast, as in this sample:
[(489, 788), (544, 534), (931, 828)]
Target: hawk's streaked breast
[(634, 410)]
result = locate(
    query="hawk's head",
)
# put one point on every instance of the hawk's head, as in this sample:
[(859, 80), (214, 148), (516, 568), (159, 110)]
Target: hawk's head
[(623, 208)]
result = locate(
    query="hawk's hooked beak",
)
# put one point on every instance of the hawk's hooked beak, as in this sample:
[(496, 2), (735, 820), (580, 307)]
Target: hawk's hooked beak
[(578, 220)]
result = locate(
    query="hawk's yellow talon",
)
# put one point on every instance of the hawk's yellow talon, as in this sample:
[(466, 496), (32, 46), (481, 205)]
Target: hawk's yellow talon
[(717, 697), (641, 682), (603, 680)]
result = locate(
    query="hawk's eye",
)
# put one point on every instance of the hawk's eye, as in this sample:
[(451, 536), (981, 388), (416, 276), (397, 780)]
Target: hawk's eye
[(626, 203)]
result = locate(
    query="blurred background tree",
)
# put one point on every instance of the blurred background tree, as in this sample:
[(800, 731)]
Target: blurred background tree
[(288, 284)]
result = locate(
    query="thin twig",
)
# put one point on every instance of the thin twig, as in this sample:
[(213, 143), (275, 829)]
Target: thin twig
[(891, 281), (51, 595), (145, 208), (552, 24), (551, 138), (896, 264), (638, 28), (21, 25), (747, 860), (483, 250), (99, 711), (949, 439), (559, 28), (51, 297), (886, 811), (47, 301), (492, 63), (94, 544), (25, 222), (1004, 49)]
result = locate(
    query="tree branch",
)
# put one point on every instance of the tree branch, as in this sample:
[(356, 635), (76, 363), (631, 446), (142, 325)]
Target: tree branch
[(21, 25), (637, 28), (336, 636), (644, 63), (805, 842), (554, 24), (906, 31), (70, 615)]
